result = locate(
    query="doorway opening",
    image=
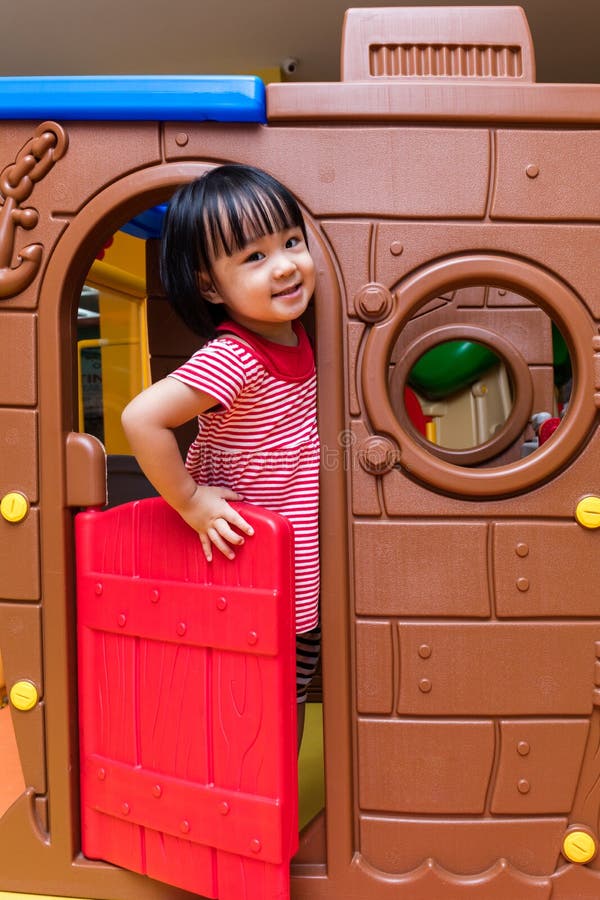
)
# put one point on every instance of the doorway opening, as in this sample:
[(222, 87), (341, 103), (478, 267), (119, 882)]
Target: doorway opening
[(127, 337)]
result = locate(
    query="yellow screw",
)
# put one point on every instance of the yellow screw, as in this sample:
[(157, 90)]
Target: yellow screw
[(23, 695), (579, 847), (14, 506), (587, 512)]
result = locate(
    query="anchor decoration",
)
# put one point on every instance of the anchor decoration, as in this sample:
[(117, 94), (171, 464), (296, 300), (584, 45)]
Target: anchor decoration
[(17, 180)]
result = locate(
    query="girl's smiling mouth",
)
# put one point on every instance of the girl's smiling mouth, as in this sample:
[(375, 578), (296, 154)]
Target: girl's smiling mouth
[(289, 291)]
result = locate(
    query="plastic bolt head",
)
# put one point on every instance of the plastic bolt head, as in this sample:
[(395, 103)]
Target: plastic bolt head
[(23, 695), (378, 455), (587, 512), (373, 302), (579, 847), (14, 506)]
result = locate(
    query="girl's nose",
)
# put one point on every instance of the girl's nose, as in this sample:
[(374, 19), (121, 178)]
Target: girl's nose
[(284, 265)]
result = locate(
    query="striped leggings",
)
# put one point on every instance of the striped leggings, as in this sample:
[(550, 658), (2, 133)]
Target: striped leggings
[(308, 649)]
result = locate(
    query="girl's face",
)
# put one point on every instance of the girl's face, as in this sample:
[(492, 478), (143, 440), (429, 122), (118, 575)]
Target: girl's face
[(266, 285)]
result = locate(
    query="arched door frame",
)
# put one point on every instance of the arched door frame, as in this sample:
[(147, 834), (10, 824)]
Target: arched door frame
[(63, 278)]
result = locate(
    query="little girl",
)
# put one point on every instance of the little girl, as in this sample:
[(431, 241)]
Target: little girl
[(236, 267)]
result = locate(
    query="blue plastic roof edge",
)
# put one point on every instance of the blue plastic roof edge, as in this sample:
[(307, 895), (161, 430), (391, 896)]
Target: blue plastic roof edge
[(192, 98), (148, 224)]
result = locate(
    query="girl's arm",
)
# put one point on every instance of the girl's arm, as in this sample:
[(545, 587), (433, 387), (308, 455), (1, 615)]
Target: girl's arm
[(148, 422)]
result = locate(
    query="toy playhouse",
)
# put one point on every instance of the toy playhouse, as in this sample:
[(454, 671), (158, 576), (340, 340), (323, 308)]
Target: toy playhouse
[(453, 209)]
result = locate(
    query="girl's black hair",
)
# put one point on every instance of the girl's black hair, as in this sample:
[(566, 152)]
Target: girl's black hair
[(220, 212)]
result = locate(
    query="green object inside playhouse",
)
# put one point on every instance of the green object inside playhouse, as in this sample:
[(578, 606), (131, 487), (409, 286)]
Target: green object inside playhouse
[(454, 365), (449, 367)]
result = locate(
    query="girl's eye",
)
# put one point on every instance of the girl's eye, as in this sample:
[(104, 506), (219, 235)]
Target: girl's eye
[(292, 242), (254, 257)]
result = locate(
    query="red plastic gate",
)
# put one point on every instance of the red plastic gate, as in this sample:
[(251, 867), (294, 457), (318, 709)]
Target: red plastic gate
[(187, 701)]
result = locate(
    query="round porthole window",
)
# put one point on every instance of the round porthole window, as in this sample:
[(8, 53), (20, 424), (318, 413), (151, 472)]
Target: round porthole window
[(475, 354), (473, 388)]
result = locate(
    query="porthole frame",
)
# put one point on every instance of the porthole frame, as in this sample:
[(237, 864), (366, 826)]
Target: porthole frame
[(519, 374), (543, 288)]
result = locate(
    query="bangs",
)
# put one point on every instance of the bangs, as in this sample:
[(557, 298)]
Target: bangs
[(241, 210)]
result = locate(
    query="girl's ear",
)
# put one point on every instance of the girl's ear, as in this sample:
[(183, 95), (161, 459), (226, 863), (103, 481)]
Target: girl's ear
[(207, 289)]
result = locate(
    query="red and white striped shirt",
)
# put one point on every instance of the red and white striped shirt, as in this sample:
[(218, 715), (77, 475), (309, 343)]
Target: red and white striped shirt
[(262, 441)]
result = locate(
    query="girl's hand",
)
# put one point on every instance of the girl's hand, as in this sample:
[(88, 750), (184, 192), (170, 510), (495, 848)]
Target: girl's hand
[(149, 420), (208, 513)]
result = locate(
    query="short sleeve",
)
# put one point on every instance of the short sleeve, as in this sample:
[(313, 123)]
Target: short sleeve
[(218, 369)]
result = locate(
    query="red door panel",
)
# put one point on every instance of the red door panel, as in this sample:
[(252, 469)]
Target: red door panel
[(187, 701)]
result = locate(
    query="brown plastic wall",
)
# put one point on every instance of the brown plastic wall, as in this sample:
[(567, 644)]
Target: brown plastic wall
[(460, 603)]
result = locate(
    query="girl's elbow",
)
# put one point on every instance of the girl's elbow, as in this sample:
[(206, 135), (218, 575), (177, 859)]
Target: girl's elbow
[(126, 416), (130, 418)]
